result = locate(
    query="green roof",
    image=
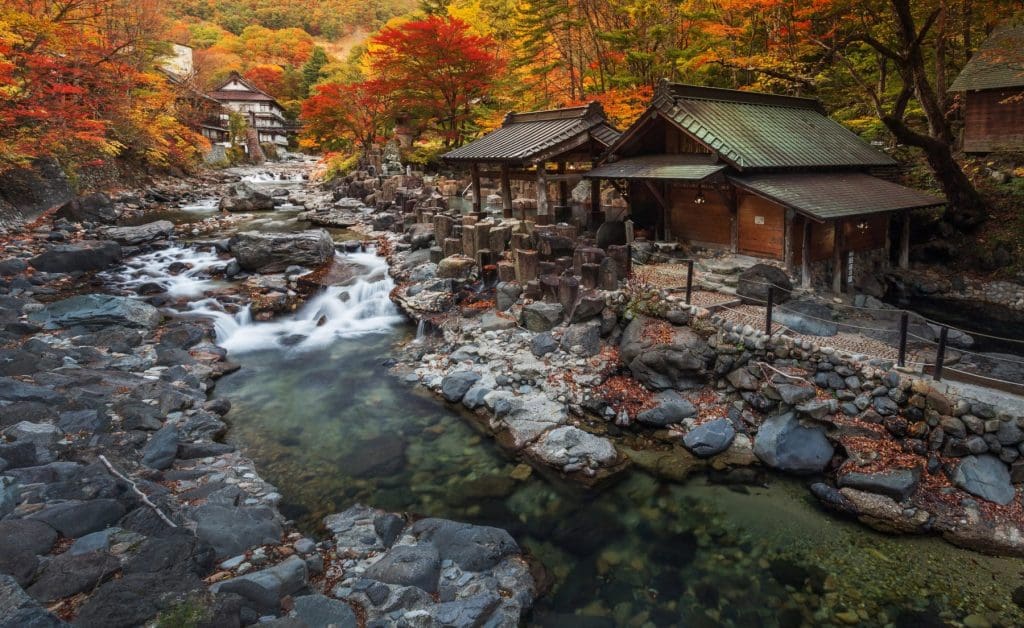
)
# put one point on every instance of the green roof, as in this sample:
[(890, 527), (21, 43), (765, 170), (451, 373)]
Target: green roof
[(827, 195), (997, 64), (756, 131), (672, 167)]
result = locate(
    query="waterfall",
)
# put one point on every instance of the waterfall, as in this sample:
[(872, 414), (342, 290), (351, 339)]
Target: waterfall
[(190, 277), (361, 307)]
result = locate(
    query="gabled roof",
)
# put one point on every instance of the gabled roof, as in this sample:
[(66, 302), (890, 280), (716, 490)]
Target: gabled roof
[(828, 195), (757, 131), (998, 63), (525, 138), (670, 167), (254, 93)]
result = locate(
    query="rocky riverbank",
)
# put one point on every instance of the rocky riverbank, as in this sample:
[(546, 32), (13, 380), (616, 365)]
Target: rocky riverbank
[(120, 505)]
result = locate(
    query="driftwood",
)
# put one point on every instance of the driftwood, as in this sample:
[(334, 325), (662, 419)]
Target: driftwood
[(135, 489)]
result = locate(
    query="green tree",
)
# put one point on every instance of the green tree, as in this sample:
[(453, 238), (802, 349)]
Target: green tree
[(313, 70)]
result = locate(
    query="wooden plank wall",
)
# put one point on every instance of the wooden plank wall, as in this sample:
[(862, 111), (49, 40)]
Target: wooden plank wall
[(762, 227), (705, 224), (856, 239), (992, 122)]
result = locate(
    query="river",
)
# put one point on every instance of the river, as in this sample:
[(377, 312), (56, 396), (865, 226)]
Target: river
[(316, 408)]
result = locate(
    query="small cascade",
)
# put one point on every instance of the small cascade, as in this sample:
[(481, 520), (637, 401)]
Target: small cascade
[(179, 271), (361, 307), (205, 205), (274, 177)]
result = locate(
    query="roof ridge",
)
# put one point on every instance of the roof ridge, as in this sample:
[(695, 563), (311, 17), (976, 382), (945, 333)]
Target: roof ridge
[(688, 91)]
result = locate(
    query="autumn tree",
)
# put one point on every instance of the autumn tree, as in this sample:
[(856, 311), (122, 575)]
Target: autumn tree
[(342, 116), (438, 71)]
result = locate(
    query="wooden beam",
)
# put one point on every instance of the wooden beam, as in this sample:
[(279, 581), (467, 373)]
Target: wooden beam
[(905, 241), (474, 171), (805, 256), (837, 257), (506, 192)]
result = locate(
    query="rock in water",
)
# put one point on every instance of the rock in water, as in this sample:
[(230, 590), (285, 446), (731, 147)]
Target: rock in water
[(985, 476), (97, 310), (710, 438), (680, 363), (140, 234), (82, 256), (245, 198), (275, 252), (898, 484), (783, 443), (92, 208), (755, 281)]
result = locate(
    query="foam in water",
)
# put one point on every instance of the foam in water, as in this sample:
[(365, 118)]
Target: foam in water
[(155, 268), (273, 177), (202, 206), (362, 307)]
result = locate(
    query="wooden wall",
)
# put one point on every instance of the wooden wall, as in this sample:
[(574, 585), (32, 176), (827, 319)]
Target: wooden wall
[(762, 228), (710, 223), (856, 239), (992, 124)]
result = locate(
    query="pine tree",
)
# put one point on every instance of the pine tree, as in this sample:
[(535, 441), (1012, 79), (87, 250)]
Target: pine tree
[(312, 70)]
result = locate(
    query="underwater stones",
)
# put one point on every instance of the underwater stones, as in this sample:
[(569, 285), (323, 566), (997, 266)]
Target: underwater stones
[(457, 384), (985, 476), (711, 438), (568, 444), (380, 455), (783, 443), (409, 565)]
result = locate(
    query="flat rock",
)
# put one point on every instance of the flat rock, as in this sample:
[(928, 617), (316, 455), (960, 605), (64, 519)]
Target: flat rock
[(97, 310), (409, 565), (568, 443), (140, 234), (231, 531), (81, 256), (161, 449), (68, 574), (284, 578), (898, 484), (320, 611), (12, 390), (672, 408), (74, 518), (471, 547), (28, 534)]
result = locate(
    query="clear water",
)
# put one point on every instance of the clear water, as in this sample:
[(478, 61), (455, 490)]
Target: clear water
[(316, 408)]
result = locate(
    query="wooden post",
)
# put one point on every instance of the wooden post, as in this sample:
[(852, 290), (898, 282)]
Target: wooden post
[(506, 192), (595, 203), (768, 312), (905, 242), (887, 257), (689, 280), (734, 223), (805, 256), (837, 257), (526, 265), (904, 324), (563, 187), (542, 195), (474, 170), (787, 244), (940, 354)]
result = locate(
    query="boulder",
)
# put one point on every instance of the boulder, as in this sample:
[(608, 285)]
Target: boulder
[(320, 611), (274, 252), (95, 207), (456, 267), (806, 317), (506, 294), (754, 282), (569, 444), (97, 310), (582, 339), (671, 408), (783, 443), (455, 385), (282, 579), (543, 344), (87, 255), (18, 610), (161, 449), (539, 316), (471, 547), (68, 574), (677, 359), (495, 321), (140, 234), (711, 438), (245, 198), (231, 531), (75, 518), (409, 565), (986, 477)]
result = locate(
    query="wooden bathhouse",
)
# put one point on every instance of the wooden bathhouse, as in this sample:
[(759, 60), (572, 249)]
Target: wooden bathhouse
[(764, 175), (552, 147), (992, 84)]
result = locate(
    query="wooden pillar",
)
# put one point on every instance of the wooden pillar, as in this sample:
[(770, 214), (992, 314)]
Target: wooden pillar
[(887, 254), (787, 243), (596, 218), (506, 192), (734, 221), (905, 242), (542, 195), (563, 187), (837, 256), (474, 170), (805, 256)]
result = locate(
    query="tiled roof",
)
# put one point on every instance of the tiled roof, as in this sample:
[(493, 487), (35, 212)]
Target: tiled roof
[(234, 94), (672, 167), (764, 131), (826, 195), (998, 63), (523, 137)]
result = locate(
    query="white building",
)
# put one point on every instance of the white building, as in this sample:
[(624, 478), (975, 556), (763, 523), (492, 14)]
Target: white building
[(261, 109)]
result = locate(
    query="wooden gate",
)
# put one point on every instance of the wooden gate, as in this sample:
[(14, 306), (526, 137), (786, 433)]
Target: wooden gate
[(762, 227)]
